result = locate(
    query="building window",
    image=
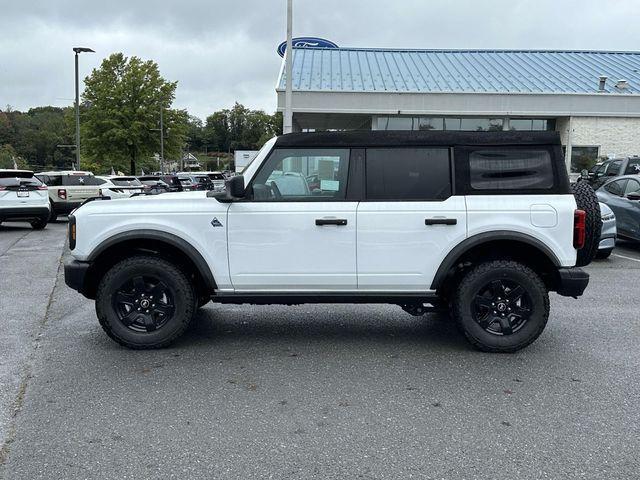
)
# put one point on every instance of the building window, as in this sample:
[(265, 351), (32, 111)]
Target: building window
[(532, 124), (481, 124), (431, 123), (583, 158)]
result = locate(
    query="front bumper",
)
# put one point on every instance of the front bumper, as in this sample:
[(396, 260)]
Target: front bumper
[(572, 282), (75, 273)]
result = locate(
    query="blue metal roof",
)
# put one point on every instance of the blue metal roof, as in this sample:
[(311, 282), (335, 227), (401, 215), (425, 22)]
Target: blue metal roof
[(468, 71)]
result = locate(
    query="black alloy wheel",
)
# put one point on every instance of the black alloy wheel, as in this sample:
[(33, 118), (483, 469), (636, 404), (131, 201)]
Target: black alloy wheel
[(144, 303), (502, 307)]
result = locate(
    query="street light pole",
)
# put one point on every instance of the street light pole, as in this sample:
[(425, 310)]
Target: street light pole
[(287, 119), (78, 51), (161, 140)]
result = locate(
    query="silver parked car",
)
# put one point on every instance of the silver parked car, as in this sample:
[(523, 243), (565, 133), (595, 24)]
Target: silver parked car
[(609, 233), (622, 195)]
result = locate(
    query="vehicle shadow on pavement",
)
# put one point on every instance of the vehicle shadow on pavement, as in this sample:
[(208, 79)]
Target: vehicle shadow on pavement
[(335, 324)]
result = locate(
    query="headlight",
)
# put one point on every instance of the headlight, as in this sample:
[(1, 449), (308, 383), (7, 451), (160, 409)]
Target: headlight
[(608, 216)]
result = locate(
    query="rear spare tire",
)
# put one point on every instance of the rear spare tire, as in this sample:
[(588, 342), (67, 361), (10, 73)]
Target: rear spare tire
[(587, 200)]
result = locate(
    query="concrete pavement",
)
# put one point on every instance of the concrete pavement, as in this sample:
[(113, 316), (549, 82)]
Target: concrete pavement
[(334, 391)]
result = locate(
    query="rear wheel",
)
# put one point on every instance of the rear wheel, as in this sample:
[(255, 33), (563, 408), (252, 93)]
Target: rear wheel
[(39, 223), (53, 216), (145, 302), (501, 306)]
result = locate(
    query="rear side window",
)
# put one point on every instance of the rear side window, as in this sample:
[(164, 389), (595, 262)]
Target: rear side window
[(504, 169), (616, 188), (633, 167), (79, 180), (408, 174)]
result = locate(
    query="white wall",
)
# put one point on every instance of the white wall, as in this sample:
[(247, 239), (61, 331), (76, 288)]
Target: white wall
[(617, 136)]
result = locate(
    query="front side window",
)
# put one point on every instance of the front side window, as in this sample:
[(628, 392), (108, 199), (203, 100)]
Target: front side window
[(503, 169), (302, 174), (408, 174)]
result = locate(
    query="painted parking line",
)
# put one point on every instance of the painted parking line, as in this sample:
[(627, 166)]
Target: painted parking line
[(626, 258)]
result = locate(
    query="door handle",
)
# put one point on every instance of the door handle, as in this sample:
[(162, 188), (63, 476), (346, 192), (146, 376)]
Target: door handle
[(440, 221), (331, 221)]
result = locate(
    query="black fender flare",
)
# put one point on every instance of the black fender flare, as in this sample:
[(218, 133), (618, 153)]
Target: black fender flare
[(471, 242), (149, 234)]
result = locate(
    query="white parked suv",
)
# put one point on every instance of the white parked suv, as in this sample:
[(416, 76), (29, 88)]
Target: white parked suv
[(114, 186), (68, 190), (23, 198), (482, 224)]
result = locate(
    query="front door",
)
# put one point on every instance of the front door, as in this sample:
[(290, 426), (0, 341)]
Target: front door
[(409, 219), (295, 231)]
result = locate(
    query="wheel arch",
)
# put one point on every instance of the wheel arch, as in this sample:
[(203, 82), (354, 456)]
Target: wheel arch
[(494, 245), (166, 245)]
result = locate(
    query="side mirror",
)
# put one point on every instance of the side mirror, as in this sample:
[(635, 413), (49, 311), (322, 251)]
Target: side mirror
[(235, 187), (633, 196)]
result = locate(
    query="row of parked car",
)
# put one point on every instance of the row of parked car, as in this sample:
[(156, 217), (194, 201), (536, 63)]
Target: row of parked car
[(40, 198), (617, 185)]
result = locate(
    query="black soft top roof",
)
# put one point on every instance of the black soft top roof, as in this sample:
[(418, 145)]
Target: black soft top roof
[(404, 138)]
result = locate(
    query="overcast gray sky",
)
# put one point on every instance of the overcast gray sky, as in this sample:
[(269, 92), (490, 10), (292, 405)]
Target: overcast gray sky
[(222, 51)]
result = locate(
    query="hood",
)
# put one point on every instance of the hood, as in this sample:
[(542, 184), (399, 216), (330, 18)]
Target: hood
[(170, 203)]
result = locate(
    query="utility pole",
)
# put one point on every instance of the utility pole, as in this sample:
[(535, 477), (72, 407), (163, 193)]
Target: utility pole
[(78, 51), (287, 119), (161, 140)]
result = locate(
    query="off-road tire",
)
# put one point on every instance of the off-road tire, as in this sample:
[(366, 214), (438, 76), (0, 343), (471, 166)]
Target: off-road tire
[(168, 273), (473, 281), (39, 224), (587, 200)]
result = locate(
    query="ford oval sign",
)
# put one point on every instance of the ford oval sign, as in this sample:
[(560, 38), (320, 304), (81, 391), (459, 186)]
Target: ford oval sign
[(313, 42)]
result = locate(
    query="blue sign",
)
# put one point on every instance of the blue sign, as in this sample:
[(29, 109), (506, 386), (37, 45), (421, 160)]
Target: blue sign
[(306, 42)]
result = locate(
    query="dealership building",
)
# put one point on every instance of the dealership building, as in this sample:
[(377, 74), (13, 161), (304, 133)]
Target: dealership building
[(592, 98)]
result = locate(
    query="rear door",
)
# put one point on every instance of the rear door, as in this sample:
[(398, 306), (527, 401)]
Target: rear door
[(288, 237), (408, 220)]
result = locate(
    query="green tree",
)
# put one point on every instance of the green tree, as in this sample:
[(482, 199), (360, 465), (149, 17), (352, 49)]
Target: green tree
[(123, 99), (7, 157)]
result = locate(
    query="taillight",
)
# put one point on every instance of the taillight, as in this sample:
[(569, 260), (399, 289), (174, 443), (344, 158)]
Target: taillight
[(3, 188), (62, 193), (99, 192), (579, 228), (43, 187)]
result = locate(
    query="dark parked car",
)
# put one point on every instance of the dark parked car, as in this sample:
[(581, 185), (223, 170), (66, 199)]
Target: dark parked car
[(601, 172), (201, 182), (622, 195), (153, 185)]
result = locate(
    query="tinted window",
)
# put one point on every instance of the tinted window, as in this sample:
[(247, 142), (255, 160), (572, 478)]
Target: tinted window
[(51, 180), (126, 182), (302, 174), (614, 168), (216, 176), (633, 167), (615, 188), (79, 180), (498, 169), (633, 186), (19, 181), (408, 174)]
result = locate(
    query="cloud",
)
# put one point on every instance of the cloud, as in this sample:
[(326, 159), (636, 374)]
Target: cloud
[(224, 51)]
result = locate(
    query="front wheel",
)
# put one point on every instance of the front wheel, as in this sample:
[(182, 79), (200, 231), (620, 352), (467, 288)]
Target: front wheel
[(145, 302), (501, 306)]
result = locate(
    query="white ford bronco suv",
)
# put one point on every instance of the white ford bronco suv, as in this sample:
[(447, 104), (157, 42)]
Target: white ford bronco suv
[(482, 224)]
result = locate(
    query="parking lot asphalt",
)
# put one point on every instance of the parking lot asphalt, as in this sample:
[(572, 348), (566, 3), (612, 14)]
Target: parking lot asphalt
[(326, 391)]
